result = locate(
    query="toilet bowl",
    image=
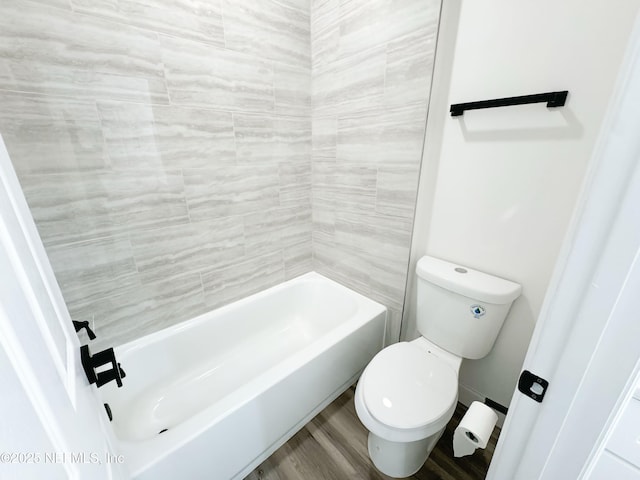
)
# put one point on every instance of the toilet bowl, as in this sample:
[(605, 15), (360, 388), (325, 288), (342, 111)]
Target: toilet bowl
[(407, 394), (405, 398)]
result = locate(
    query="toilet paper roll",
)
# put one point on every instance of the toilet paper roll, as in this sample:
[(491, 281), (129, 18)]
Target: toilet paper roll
[(474, 430)]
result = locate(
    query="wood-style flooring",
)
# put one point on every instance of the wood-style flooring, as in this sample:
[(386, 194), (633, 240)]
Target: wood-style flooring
[(333, 446)]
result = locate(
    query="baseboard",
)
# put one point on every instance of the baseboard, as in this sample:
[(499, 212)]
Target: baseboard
[(467, 395)]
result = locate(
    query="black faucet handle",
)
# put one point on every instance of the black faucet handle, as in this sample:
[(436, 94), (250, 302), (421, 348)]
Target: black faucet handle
[(91, 362), (85, 324)]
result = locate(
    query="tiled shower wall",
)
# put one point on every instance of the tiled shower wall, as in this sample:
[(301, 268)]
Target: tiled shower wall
[(371, 73), (164, 149)]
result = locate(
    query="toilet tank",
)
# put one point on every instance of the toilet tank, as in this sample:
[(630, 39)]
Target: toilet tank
[(461, 309)]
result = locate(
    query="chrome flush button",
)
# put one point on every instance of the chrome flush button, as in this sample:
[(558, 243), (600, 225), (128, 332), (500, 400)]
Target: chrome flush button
[(477, 310)]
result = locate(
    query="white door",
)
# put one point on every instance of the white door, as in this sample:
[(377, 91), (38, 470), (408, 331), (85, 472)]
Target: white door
[(587, 340), (52, 424)]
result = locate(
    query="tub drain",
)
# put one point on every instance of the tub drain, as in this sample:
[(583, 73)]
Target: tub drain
[(162, 431)]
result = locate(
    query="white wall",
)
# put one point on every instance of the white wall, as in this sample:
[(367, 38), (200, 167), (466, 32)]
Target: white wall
[(498, 186)]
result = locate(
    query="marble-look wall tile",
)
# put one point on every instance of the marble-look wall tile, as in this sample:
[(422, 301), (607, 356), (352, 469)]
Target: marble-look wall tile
[(298, 259), (78, 56), (396, 189), (382, 136), (201, 75), (344, 187), (366, 257), (263, 231), (52, 79), (268, 29), (255, 137), (325, 45), (64, 4), (364, 24), (271, 139), (158, 137), (220, 146), (279, 227), (319, 7), (377, 235), (292, 90), (324, 223), (298, 225), (371, 76), (354, 188), (192, 19), (388, 280), (322, 200), (225, 191), (325, 32), (342, 29), (350, 84), (323, 178), (121, 49), (295, 183), (394, 324), (68, 208), (293, 138), (161, 143), (342, 264), (143, 309), (93, 269), (304, 5), (173, 251), (243, 278), (324, 136), (50, 134), (372, 250), (409, 66), (79, 206)]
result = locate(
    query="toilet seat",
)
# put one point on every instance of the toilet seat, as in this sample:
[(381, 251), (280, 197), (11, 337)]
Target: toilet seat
[(406, 388)]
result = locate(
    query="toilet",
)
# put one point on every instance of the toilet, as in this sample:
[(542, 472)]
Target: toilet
[(409, 391)]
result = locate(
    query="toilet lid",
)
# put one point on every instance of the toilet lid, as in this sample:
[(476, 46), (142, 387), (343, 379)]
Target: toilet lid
[(406, 387)]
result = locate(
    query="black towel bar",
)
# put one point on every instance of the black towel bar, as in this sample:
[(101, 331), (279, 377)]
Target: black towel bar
[(553, 99)]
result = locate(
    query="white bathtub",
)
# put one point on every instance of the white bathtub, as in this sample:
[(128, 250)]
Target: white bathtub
[(234, 384)]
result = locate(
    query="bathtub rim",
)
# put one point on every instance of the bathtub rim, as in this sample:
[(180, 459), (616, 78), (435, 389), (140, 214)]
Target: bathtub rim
[(154, 337)]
